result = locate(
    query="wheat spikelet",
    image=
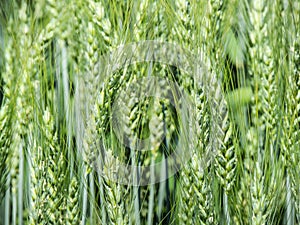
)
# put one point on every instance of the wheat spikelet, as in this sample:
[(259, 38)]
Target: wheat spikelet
[(195, 206), (6, 113), (47, 203), (293, 97), (244, 195), (186, 24), (258, 197), (203, 193), (126, 116), (295, 139), (203, 118), (200, 191), (225, 158), (21, 115), (83, 22), (77, 53), (54, 174), (78, 35), (140, 20), (5, 139), (115, 207), (131, 117), (186, 202), (156, 128), (290, 138), (263, 59), (226, 161), (156, 125), (115, 196), (35, 187), (93, 27), (286, 100), (203, 184), (258, 193), (261, 68), (54, 15), (72, 208), (129, 111), (91, 58)]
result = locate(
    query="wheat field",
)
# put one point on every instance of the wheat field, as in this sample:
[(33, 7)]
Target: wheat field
[(92, 133)]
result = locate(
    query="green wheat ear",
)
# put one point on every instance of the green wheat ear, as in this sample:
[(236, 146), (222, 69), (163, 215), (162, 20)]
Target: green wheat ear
[(73, 207), (195, 203), (291, 134), (5, 139), (53, 175)]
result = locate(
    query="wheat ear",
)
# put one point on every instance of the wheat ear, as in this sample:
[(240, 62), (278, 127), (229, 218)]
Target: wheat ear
[(291, 134)]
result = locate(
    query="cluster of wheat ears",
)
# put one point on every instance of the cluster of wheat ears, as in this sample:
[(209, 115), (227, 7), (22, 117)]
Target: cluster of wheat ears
[(59, 135)]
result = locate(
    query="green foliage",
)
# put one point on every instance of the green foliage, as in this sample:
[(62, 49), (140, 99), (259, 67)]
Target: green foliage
[(61, 135)]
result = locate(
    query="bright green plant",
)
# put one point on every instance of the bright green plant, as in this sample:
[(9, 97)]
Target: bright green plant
[(65, 137)]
